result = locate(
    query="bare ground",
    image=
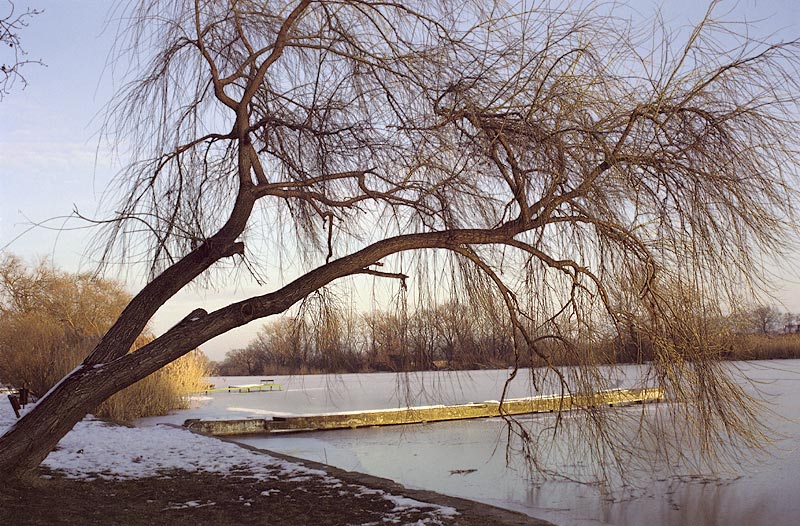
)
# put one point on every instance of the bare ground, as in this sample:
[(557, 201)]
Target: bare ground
[(181, 498)]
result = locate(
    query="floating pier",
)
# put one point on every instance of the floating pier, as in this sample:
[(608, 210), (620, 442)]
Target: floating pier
[(265, 385), (418, 415)]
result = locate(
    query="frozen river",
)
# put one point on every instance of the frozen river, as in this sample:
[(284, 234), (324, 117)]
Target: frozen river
[(468, 458)]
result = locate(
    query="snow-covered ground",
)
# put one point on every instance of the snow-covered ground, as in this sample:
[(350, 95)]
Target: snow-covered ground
[(95, 449)]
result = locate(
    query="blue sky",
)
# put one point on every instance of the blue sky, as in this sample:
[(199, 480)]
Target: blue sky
[(50, 162)]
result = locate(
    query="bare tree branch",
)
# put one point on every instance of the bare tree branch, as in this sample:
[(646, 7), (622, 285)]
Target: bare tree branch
[(11, 23)]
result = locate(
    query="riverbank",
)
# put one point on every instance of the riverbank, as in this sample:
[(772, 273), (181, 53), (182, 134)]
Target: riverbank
[(106, 474)]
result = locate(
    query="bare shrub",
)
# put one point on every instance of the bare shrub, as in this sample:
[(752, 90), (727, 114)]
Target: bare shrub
[(49, 320), (766, 347)]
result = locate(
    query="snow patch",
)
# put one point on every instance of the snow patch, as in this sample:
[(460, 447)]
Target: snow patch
[(188, 504), (405, 503), (95, 449)]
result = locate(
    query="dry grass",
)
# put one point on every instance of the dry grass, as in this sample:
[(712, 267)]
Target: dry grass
[(766, 347), (163, 391)]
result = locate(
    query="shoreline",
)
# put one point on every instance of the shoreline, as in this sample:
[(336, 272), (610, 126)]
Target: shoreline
[(108, 474), (492, 514)]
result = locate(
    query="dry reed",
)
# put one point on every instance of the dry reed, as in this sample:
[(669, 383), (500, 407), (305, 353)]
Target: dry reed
[(165, 390)]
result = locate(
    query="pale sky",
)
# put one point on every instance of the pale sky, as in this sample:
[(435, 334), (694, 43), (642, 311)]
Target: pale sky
[(50, 162)]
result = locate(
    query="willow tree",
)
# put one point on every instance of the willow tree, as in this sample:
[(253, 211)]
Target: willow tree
[(556, 156)]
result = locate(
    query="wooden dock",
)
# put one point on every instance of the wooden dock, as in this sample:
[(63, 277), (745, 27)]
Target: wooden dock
[(418, 415), (244, 388)]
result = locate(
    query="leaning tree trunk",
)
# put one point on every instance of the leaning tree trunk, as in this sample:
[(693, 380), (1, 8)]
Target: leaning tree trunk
[(110, 367), (27, 443)]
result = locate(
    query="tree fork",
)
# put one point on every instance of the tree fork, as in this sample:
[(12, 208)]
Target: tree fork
[(120, 337)]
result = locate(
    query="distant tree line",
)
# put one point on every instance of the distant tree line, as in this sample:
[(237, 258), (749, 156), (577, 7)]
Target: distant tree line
[(447, 336), (458, 336), (768, 319)]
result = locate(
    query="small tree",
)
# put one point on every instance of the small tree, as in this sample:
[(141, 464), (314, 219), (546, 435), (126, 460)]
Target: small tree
[(280, 342), (542, 155), (791, 322), (243, 362), (765, 319)]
